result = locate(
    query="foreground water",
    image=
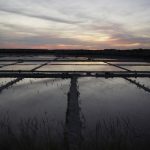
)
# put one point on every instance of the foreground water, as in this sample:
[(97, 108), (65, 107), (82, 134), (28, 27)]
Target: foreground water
[(99, 98), (103, 112)]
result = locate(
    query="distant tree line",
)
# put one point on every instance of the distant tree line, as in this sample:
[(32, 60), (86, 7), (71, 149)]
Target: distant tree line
[(138, 53)]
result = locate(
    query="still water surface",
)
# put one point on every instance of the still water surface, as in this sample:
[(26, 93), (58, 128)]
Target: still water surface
[(98, 98), (78, 104)]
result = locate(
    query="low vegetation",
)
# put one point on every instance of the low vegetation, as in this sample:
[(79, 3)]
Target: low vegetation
[(37, 134)]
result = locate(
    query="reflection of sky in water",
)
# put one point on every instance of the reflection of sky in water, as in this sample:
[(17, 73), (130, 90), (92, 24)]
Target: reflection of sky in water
[(102, 98), (63, 66), (138, 68), (79, 68), (132, 63), (33, 97), (4, 81), (33, 63), (79, 63), (7, 62), (99, 98), (19, 67), (143, 81)]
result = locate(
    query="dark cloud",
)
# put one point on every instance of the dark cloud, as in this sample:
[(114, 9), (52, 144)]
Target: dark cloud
[(38, 16)]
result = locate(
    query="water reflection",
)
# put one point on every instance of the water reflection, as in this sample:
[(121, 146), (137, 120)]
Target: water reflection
[(98, 97), (9, 84), (112, 133), (138, 84)]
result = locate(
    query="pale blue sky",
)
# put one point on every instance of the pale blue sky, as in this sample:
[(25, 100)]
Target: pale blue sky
[(89, 24)]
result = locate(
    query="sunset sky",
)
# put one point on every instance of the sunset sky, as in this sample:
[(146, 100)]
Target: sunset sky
[(75, 24)]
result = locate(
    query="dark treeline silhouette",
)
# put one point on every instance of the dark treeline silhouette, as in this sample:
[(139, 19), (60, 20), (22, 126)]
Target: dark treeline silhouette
[(135, 53)]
